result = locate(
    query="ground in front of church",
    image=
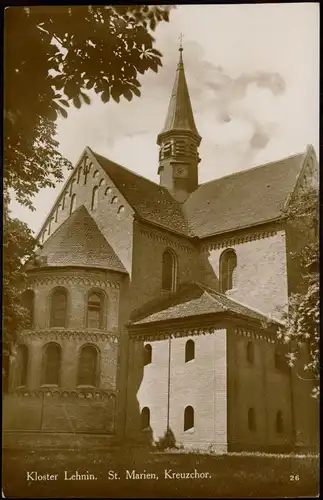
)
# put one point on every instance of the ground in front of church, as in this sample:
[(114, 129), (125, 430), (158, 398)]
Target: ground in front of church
[(135, 473)]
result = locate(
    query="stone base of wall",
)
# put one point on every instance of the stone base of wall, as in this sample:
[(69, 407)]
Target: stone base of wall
[(265, 448), (56, 412), (20, 440)]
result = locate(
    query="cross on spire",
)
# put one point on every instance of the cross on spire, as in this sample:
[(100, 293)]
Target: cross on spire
[(181, 41)]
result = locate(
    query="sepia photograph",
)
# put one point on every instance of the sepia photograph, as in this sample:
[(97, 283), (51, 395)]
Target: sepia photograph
[(160, 332)]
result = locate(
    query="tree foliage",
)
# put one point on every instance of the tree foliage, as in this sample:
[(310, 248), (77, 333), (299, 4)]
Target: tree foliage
[(18, 246), (301, 330), (53, 56)]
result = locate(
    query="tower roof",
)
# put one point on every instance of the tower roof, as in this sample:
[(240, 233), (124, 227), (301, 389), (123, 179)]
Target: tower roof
[(180, 114)]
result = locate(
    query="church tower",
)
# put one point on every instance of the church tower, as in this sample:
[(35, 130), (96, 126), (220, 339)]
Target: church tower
[(179, 141)]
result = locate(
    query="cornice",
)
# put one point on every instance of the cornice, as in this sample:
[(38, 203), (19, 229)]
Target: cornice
[(69, 334), (72, 280), (221, 241), (162, 334), (57, 392), (166, 241), (245, 332)]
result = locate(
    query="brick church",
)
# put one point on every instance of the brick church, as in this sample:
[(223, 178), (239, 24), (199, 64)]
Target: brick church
[(155, 307)]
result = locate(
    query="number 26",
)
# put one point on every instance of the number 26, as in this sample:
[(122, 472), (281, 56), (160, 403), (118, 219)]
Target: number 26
[(294, 477)]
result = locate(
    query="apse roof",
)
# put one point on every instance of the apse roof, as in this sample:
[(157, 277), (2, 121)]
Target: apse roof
[(79, 242)]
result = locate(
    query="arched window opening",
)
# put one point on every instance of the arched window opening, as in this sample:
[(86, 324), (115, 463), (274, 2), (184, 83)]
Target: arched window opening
[(88, 366), (22, 366), (189, 350), (147, 354), (252, 424), (58, 316), (188, 418), (145, 418), (95, 196), (28, 301), (95, 310), (279, 422), (51, 364), (228, 264), (73, 203), (250, 353), (169, 265)]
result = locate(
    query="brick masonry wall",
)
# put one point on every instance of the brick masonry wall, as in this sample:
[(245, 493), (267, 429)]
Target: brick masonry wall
[(148, 247), (58, 413), (114, 224), (260, 386), (50, 413), (260, 279), (78, 282), (200, 383)]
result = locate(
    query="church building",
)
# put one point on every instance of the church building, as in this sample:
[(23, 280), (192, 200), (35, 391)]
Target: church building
[(154, 308)]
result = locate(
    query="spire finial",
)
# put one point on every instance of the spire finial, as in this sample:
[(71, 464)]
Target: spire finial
[(181, 46)]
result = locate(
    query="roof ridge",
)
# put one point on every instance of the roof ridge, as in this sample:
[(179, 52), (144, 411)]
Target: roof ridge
[(252, 168), (70, 216), (209, 291), (127, 169)]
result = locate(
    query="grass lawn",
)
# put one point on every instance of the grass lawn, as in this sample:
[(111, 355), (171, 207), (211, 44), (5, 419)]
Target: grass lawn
[(232, 476)]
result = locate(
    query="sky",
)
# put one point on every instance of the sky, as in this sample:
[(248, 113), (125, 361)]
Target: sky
[(253, 77)]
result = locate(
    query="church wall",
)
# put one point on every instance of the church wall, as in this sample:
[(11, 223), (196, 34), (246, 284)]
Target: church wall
[(260, 278), (169, 384), (259, 386), (149, 245), (112, 214), (68, 406)]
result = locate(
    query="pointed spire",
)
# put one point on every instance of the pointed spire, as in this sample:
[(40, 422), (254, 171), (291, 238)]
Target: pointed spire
[(180, 114)]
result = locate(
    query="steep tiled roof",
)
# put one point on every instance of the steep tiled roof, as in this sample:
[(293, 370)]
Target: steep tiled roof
[(180, 114), (150, 201), (79, 242), (236, 201), (194, 299), (242, 199)]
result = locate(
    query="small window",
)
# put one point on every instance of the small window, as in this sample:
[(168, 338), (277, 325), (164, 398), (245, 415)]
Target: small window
[(88, 366), (51, 364), (252, 425), (188, 418), (189, 350), (250, 353), (22, 366), (147, 354), (120, 209), (28, 301), (95, 195), (279, 422), (96, 174), (58, 316), (73, 203), (114, 199), (228, 264), (95, 310), (145, 418), (169, 271)]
